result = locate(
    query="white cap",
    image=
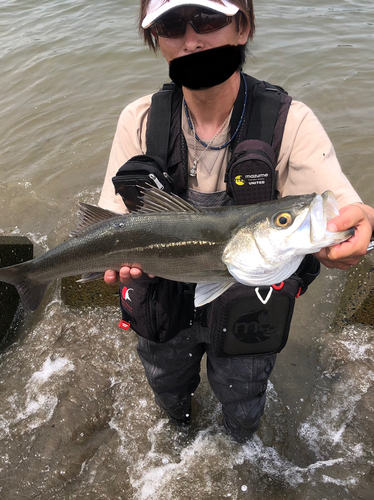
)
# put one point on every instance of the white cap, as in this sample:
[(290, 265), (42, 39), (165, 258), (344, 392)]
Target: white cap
[(158, 7)]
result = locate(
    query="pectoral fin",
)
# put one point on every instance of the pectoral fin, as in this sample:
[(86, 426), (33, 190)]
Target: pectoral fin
[(91, 277)]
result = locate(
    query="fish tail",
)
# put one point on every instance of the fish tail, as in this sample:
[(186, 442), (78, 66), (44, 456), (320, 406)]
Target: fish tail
[(30, 292)]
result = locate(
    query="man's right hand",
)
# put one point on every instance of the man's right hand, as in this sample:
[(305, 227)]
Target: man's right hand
[(126, 275)]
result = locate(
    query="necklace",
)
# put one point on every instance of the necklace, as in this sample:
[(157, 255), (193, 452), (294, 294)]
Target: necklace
[(237, 128), (193, 171)]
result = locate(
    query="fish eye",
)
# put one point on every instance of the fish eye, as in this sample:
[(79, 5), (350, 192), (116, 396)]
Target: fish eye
[(283, 220)]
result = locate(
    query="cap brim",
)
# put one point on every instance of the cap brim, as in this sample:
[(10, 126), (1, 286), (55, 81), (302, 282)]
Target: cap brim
[(161, 8)]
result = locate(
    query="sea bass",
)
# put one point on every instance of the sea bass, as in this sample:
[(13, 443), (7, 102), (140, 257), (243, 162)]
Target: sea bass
[(256, 245)]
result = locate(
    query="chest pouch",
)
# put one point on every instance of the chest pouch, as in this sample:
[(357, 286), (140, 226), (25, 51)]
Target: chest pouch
[(252, 321), (141, 171), (157, 309), (250, 174)]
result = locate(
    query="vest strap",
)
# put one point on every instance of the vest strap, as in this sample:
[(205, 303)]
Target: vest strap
[(264, 114), (159, 122)]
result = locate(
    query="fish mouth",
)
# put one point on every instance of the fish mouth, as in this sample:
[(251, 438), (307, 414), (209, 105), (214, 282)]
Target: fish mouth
[(323, 208)]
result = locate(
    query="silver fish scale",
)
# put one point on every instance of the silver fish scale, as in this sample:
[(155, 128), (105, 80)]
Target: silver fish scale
[(181, 246), (170, 245)]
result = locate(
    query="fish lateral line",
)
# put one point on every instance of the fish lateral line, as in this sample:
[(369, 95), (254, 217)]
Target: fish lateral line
[(172, 244)]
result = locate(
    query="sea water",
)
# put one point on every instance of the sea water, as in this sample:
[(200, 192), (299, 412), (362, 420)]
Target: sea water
[(77, 417)]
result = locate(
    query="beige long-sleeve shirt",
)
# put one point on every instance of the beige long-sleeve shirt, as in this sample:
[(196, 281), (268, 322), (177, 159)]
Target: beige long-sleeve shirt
[(307, 161)]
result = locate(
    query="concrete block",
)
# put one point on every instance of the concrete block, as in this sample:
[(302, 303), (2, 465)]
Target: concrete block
[(91, 294), (13, 250), (357, 299)]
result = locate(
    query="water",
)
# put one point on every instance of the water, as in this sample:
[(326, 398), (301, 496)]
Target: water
[(77, 418)]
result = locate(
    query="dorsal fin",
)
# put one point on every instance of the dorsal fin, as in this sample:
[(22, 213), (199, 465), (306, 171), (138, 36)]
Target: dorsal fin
[(89, 215), (155, 200)]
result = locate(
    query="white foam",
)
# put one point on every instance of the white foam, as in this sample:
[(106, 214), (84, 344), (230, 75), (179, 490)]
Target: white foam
[(151, 481), (42, 403), (357, 351), (50, 368), (339, 482), (347, 378)]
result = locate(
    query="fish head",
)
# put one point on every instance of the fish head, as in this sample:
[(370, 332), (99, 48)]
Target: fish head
[(271, 244), (298, 226)]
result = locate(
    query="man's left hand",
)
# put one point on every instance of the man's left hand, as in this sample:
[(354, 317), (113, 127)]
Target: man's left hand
[(349, 253)]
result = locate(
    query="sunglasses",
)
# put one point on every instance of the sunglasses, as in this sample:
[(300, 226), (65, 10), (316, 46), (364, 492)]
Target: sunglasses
[(202, 22)]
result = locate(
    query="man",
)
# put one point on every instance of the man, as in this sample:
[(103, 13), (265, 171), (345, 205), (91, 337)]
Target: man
[(198, 30)]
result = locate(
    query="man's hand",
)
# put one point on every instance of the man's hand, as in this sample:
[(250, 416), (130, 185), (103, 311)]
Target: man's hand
[(349, 253), (126, 275)]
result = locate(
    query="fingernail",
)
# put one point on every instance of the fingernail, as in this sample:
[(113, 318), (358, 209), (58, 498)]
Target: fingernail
[(332, 227)]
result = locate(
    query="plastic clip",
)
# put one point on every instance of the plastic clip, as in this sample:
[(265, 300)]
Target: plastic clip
[(124, 325), (279, 286)]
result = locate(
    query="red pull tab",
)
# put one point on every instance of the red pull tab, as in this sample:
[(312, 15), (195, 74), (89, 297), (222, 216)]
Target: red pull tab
[(279, 286), (124, 325), (298, 293)]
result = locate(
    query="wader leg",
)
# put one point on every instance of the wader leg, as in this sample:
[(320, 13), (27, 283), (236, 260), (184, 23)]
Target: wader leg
[(173, 370), (240, 385)]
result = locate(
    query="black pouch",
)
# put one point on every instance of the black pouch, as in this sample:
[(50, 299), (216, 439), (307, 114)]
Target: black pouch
[(157, 309), (308, 271), (252, 321), (141, 170), (250, 175)]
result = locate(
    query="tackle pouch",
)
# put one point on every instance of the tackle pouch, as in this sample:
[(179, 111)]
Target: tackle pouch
[(308, 271), (141, 171), (157, 309), (252, 321), (250, 174)]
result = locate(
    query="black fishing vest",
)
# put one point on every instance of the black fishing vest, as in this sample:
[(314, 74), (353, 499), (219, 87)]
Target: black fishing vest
[(161, 308), (250, 174), (263, 121)]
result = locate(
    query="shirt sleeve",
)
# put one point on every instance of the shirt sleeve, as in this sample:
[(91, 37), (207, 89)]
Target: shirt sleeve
[(129, 141), (307, 161)]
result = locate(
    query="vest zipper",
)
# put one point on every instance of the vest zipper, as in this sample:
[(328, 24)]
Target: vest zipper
[(156, 181)]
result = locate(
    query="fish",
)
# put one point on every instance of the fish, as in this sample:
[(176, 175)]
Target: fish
[(256, 245)]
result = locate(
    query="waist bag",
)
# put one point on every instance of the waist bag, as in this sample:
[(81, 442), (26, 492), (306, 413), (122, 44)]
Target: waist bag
[(157, 309), (252, 321)]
